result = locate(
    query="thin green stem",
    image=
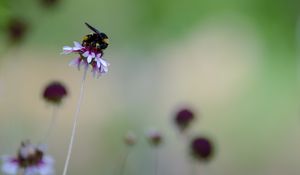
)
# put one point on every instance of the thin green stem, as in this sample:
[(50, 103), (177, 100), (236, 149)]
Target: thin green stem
[(156, 161), (124, 161), (52, 123), (75, 120)]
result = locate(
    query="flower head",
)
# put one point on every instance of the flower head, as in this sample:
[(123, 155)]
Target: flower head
[(130, 138), (55, 92), (154, 136), (16, 29), (31, 159), (49, 3), (202, 148), (90, 52), (183, 118)]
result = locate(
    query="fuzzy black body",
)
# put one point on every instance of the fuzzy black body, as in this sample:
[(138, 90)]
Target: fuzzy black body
[(97, 39)]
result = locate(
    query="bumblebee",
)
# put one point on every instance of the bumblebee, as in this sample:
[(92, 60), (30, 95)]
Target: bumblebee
[(96, 40)]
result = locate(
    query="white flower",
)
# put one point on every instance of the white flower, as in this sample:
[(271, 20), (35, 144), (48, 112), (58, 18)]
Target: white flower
[(30, 159), (88, 55), (130, 138), (154, 136)]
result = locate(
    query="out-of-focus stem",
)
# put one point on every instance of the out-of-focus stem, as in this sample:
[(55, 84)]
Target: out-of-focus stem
[(75, 119), (52, 123), (156, 161), (124, 161)]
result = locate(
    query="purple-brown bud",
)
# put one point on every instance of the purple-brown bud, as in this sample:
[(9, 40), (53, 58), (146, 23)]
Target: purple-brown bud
[(183, 118), (202, 148), (16, 28), (49, 3), (55, 92)]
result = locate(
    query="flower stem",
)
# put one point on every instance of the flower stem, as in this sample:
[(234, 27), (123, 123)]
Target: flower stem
[(75, 119), (197, 169), (184, 137), (52, 123), (124, 161), (156, 161)]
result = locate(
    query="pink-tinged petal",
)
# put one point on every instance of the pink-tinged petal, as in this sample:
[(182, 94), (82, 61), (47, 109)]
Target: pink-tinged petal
[(75, 63), (89, 59), (48, 160), (98, 63), (101, 69), (104, 63), (77, 46), (86, 54), (98, 56), (9, 165), (97, 59), (46, 168), (105, 69), (67, 50)]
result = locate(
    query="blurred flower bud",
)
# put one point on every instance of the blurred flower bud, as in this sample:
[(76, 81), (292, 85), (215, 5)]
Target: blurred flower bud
[(130, 139), (154, 136), (183, 118), (49, 3), (55, 92), (202, 148), (16, 28)]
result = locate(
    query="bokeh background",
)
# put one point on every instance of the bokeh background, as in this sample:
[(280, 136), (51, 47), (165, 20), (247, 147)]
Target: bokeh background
[(235, 63)]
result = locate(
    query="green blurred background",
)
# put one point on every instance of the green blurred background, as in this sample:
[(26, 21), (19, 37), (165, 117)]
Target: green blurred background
[(235, 62)]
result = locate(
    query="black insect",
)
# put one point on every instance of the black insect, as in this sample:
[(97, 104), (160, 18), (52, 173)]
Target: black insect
[(96, 40)]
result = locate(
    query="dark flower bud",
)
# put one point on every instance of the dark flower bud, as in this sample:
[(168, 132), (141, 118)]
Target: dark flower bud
[(49, 3), (16, 30), (55, 92), (183, 118), (202, 148)]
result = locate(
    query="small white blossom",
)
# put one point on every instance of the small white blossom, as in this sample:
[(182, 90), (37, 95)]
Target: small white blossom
[(87, 56), (154, 136), (130, 138), (30, 159)]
